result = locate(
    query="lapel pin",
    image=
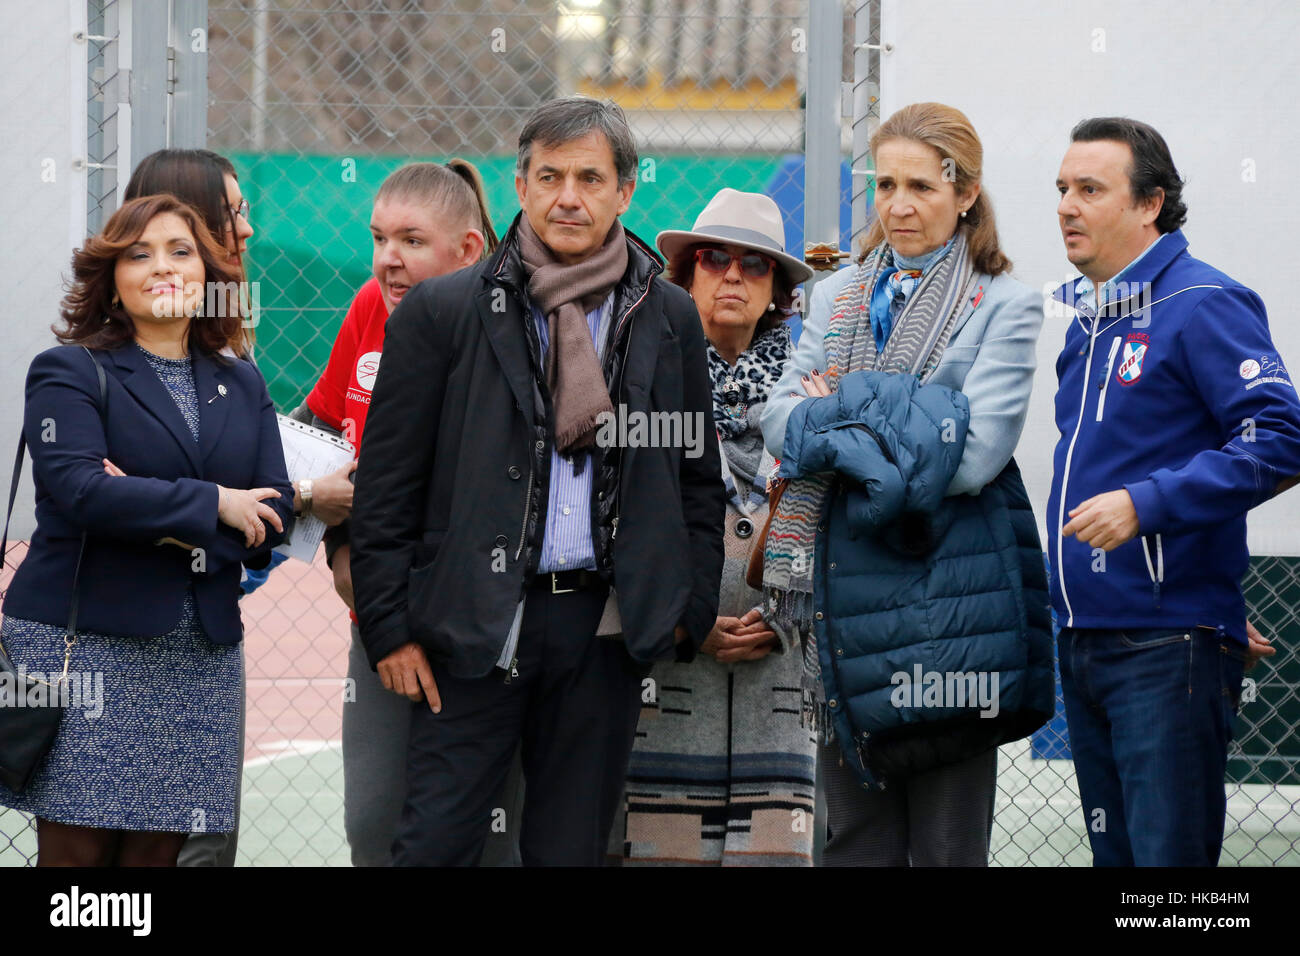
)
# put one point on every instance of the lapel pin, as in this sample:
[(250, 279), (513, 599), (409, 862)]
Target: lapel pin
[(221, 393)]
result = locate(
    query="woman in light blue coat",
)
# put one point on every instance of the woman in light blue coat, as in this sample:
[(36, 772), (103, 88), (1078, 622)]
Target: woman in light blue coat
[(931, 297)]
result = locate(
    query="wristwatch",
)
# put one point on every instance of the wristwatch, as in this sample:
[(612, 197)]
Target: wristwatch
[(304, 497)]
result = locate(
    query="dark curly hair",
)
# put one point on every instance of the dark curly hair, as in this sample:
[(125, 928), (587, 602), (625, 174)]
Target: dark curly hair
[(681, 271), (1151, 168), (89, 315)]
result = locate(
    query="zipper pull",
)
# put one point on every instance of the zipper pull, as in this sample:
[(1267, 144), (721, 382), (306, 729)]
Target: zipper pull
[(514, 670), (614, 533)]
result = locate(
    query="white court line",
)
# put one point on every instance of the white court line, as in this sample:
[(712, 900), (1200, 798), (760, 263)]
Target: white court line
[(296, 681), (301, 747)]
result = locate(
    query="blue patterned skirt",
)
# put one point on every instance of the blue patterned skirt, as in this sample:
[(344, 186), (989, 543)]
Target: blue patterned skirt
[(150, 734)]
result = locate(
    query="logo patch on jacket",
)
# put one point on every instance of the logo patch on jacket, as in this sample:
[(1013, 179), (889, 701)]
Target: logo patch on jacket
[(1130, 362)]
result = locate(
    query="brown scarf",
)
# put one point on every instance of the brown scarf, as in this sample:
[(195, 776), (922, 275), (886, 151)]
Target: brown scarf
[(565, 294)]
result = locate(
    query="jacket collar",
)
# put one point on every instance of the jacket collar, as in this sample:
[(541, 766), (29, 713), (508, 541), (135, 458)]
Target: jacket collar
[(212, 382), (505, 268), (1145, 271)]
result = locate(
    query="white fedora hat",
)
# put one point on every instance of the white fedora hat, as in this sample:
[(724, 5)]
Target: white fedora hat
[(738, 219)]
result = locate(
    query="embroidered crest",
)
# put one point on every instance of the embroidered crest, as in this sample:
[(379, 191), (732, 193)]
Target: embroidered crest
[(1131, 358)]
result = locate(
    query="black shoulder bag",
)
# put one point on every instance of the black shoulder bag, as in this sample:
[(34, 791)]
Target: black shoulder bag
[(27, 732)]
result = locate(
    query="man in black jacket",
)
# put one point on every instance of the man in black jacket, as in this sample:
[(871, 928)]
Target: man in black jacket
[(538, 511)]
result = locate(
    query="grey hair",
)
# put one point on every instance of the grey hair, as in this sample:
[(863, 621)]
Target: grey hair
[(568, 118)]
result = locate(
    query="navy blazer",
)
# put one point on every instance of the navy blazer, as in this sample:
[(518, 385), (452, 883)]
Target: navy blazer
[(131, 586)]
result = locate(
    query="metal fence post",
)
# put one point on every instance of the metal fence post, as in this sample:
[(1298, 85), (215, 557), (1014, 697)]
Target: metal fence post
[(189, 83), (148, 87), (866, 99), (822, 110), (822, 123)]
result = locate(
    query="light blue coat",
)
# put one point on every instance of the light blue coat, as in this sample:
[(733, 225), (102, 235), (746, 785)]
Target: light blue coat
[(990, 358)]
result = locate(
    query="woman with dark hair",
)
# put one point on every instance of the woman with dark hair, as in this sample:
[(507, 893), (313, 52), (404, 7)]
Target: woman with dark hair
[(208, 182), (428, 220), (149, 499), (722, 772), (903, 550)]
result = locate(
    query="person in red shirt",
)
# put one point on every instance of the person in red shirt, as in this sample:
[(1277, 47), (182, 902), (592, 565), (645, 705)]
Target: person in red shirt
[(428, 220)]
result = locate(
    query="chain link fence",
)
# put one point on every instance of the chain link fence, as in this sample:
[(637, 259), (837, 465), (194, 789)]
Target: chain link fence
[(316, 101), (105, 97)]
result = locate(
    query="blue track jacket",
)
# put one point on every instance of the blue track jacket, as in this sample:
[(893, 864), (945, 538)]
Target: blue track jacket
[(1175, 391)]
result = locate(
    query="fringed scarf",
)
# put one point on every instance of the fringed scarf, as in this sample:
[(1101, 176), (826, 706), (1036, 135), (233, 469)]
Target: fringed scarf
[(915, 345)]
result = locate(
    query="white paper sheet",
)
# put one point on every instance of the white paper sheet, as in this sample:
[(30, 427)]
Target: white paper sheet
[(309, 453)]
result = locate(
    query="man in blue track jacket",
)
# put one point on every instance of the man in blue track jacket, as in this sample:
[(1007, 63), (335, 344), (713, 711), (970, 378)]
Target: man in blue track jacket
[(1177, 417)]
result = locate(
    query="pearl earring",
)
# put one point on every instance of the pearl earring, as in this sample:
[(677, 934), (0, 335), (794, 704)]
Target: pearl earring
[(963, 213), (771, 307)]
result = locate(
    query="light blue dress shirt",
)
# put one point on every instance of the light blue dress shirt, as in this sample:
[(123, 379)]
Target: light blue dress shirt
[(1085, 292)]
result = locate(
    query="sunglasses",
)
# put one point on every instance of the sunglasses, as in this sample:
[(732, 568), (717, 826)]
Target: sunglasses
[(718, 262)]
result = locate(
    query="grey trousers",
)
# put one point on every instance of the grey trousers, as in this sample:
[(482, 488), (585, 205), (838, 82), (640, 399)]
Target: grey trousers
[(376, 729), (940, 818), (218, 849)]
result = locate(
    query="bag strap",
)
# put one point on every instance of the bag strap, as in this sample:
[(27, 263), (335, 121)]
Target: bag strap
[(70, 636)]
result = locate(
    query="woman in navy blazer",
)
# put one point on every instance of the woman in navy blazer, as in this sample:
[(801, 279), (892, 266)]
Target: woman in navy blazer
[(178, 480)]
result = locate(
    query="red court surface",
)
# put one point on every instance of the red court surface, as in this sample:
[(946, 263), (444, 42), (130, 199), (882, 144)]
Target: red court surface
[(296, 639)]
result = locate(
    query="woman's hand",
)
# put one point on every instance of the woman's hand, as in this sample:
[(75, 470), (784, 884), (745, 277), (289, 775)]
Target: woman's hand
[(814, 385), (244, 511), (342, 567), (745, 638), (331, 495)]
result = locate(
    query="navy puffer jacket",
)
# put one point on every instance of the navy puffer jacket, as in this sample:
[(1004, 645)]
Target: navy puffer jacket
[(932, 615)]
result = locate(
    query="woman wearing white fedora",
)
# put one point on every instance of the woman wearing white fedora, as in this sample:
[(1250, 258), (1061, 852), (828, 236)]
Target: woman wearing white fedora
[(722, 771)]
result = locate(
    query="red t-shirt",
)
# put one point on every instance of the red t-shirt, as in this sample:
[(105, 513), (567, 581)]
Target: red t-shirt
[(342, 396)]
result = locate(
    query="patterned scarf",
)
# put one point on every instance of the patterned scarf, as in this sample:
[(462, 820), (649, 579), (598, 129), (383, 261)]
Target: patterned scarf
[(749, 381), (894, 285), (914, 347)]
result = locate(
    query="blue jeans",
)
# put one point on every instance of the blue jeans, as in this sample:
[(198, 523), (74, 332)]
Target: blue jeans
[(1150, 715)]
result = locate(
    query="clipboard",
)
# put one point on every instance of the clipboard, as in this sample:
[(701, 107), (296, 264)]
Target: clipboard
[(309, 453)]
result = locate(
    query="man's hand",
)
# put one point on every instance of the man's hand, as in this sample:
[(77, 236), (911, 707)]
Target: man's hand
[(342, 568), (331, 495), (1258, 647), (1105, 521), (745, 638), (406, 671)]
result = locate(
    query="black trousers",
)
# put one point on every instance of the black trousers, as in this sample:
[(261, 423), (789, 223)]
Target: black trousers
[(572, 710)]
